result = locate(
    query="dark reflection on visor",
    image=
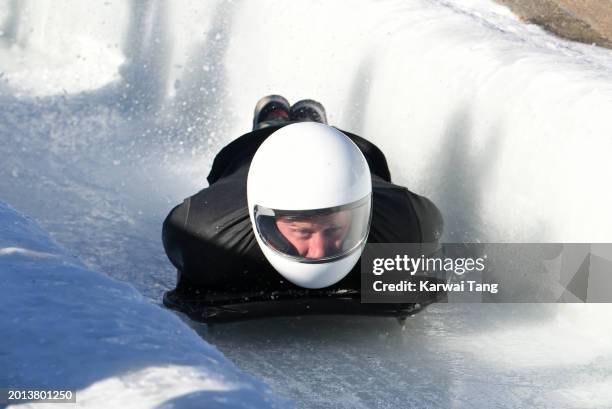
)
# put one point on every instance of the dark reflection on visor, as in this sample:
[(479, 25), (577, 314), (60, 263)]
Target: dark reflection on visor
[(318, 235)]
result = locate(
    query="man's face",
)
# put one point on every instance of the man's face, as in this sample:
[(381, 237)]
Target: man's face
[(318, 236)]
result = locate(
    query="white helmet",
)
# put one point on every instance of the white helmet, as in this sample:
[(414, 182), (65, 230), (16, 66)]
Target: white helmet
[(309, 194)]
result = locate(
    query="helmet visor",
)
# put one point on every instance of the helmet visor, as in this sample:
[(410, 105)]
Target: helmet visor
[(315, 236)]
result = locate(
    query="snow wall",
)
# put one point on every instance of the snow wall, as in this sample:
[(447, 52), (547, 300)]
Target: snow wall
[(504, 126), (66, 327)]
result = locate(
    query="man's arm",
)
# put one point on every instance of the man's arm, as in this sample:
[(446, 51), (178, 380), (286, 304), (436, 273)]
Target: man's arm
[(173, 233), (429, 217)]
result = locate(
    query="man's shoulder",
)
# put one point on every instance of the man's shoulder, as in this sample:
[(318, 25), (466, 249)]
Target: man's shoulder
[(375, 157), (241, 148)]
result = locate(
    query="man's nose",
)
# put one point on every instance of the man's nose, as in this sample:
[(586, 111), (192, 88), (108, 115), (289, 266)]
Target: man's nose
[(316, 246)]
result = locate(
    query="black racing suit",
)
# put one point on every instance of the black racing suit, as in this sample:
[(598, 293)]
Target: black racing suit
[(210, 240)]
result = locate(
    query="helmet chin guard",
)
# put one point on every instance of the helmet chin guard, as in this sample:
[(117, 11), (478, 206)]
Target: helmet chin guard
[(309, 196)]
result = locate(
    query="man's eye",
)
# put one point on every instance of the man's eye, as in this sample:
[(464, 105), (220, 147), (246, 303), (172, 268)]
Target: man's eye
[(332, 231), (302, 233)]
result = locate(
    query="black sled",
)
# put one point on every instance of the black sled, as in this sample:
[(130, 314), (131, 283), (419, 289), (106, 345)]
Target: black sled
[(218, 307)]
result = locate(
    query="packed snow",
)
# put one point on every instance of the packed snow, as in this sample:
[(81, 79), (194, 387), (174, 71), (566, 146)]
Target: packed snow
[(111, 113), (67, 327)]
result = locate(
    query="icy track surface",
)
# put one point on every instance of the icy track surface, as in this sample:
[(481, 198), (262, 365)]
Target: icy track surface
[(66, 327), (111, 113)]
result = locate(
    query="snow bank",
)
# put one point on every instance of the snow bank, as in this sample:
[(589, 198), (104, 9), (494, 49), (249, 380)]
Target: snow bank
[(495, 120), (68, 327)]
